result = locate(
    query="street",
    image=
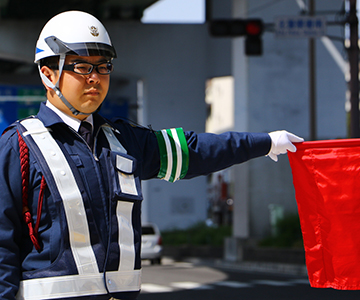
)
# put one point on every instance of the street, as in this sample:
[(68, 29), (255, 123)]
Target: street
[(196, 281)]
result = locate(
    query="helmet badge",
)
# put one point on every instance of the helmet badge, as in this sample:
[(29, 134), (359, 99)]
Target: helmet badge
[(94, 30)]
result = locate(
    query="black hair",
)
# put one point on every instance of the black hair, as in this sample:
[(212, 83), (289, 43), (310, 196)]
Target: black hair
[(51, 62)]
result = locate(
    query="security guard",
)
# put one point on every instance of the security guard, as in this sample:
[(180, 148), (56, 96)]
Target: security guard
[(70, 180)]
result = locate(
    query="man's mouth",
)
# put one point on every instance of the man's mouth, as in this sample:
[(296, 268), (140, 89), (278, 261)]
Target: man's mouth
[(92, 92)]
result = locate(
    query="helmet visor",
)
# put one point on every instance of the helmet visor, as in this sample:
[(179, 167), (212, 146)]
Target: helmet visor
[(81, 49)]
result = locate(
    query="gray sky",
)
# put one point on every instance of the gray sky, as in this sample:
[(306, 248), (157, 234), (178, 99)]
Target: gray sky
[(175, 11)]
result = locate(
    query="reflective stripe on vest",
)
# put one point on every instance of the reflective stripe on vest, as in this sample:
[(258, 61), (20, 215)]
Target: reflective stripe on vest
[(79, 285), (79, 236), (88, 281), (114, 143), (123, 209)]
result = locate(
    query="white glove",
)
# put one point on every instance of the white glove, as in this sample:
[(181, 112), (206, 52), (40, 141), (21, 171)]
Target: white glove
[(281, 142)]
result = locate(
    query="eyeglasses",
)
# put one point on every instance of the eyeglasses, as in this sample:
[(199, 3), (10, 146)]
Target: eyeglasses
[(84, 68)]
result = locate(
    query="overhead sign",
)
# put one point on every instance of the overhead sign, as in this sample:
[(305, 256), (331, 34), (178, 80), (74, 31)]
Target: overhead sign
[(300, 26), (17, 102)]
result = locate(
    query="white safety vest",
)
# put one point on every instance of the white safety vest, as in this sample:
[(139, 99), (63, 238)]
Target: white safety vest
[(89, 280)]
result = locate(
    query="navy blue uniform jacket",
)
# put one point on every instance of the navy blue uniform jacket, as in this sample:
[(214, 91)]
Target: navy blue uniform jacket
[(207, 153)]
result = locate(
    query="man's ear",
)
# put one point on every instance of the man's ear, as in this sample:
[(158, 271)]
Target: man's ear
[(50, 74)]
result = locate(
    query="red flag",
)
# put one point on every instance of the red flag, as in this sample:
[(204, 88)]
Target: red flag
[(326, 177)]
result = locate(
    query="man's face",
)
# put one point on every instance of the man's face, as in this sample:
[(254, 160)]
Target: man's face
[(84, 92)]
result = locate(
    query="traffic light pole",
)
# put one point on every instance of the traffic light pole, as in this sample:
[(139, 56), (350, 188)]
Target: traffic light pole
[(353, 54)]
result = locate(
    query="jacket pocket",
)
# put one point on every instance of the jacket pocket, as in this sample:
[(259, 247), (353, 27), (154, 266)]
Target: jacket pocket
[(126, 183)]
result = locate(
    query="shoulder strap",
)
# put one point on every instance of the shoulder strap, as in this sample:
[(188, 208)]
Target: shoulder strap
[(8, 128)]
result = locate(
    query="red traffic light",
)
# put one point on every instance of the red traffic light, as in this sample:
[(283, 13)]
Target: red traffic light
[(254, 27), (251, 29)]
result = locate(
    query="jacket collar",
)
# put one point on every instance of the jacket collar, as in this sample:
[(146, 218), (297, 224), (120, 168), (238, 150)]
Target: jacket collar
[(50, 118)]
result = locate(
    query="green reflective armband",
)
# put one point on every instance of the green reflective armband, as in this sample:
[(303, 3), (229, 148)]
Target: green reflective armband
[(174, 154)]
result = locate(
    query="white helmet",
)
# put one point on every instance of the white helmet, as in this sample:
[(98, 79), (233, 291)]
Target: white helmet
[(74, 32)]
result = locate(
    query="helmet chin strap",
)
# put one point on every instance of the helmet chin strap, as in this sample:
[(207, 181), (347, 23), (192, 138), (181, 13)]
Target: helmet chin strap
[(56, 89)]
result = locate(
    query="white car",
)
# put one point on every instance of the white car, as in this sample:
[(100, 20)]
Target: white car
[(151, 243)]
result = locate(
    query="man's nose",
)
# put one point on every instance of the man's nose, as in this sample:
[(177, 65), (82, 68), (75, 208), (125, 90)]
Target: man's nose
[(93, 76)]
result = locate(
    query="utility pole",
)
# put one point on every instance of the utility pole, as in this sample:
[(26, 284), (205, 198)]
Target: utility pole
[(353, 54), (312, 79)]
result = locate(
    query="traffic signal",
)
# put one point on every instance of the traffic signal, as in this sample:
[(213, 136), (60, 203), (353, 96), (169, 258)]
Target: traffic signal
[(252, 29)]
